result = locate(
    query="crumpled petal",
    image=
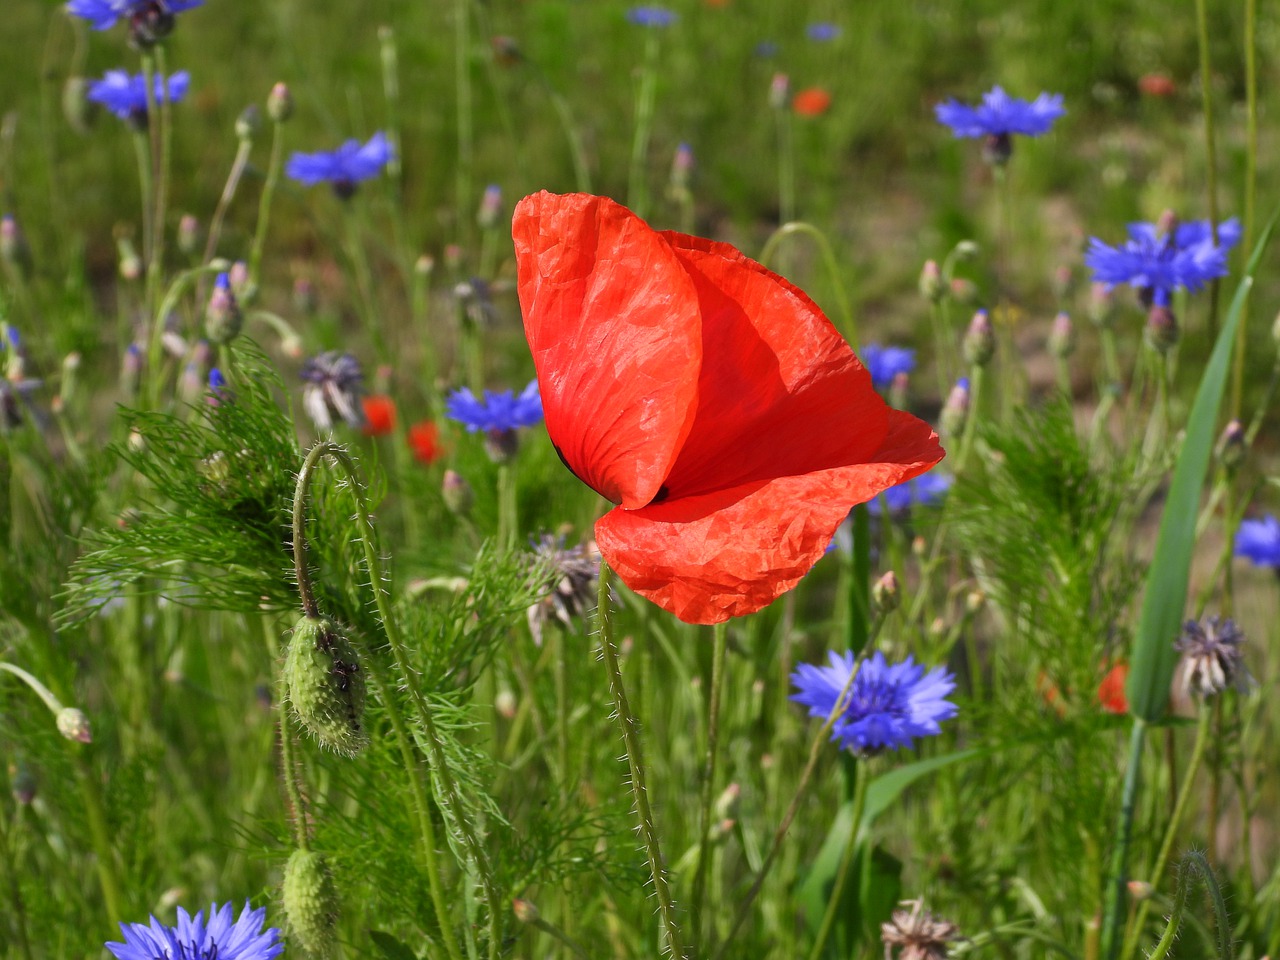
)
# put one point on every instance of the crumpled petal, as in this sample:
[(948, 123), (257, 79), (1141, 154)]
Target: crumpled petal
[(731, 552), (780, 392), (612, 322)]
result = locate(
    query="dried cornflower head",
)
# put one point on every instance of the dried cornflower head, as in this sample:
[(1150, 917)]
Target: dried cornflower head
[(1212, 657), (333, 389), (920, 934), (572, 574)]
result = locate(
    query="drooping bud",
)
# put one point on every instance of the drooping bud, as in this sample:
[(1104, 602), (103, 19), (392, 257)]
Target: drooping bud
[(280, 103), (930, 285), (189, 235), (325, 684), (310, 901), (885, 595), (457, 493), (74, 725), (1062, 340), (222, 317), (956, 410), (979, 340), (249, 123), (966, 250)]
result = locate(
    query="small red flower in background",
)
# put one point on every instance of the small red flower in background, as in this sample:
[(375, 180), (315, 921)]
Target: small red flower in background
[(812, 102), (424, 440), (731, 473), (1111, 689), (379, 415), (1158, 85)]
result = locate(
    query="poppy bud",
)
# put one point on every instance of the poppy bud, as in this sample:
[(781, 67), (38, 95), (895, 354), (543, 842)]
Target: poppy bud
[(490, 207), (956, 410), (279, 103), (74, 725), (248, 123), (979, 340), (189, 235), (1231, 446), (79, 110), (779, 91), (222, 317), (930, 285), (457, 493), (1161, 333), (310, 900), (1062, 340), (325, 685)]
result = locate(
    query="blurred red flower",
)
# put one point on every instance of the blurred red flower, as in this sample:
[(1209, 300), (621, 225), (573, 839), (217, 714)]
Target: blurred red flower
[(1111, 689), (424, 440), (379, 415), (1159, 85), (730, 475), (812, 102)]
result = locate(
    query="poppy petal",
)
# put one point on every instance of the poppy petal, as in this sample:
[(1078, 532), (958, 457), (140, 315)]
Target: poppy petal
[(730, 552), (612, 322), (785, 395)]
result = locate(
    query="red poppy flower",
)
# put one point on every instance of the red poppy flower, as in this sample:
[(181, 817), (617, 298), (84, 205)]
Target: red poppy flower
[(812, 102), (424, 440), (707, 397), (1111, 689), (379, 415)]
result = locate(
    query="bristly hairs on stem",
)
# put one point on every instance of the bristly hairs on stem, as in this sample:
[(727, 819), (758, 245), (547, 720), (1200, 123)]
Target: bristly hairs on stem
[(1191, 866)]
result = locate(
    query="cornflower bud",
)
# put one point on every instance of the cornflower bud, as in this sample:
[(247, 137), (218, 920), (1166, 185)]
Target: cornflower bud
[(930, 285), (280, 103), (1062, 341), (310, 900), (884, 595), (956, 410), (189, 235), (1161, 332), (248, 123), (222, 317), (979, 340)]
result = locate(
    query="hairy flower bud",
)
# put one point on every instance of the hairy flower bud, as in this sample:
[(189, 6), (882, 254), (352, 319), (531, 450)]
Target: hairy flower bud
[(310, 901), (884, 595), (956, 410), (74, 725), (325, 684), (280, 103), (931, 286), (222, 317)]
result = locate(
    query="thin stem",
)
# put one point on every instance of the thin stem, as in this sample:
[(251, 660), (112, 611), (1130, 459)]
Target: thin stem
[(264, 204), (1171, 831), (1250, 186), (976, 376), (637, 180), (40, 690), (292, 786), (862, 776), (1195, 862), (635, 762), (1113, 915), (155, 266), (243, 149), (819, 740), (720, 638)]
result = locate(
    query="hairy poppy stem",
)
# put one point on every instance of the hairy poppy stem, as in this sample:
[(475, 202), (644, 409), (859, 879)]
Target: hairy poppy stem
[(635, 761), (820, 738), (720, 642)]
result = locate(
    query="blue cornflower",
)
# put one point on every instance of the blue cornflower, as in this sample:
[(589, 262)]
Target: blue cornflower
[(885, 363), (222, 938), (344, 167), (498, 411), (922, 491), (1259, 540), (103, 14), (1156, 260), (651, 16), (821, 32), (126, 95), (887, 707), (1000, 116)]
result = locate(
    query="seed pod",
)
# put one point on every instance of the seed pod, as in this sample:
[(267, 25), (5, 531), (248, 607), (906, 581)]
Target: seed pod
[(310, 901), (325, 685)]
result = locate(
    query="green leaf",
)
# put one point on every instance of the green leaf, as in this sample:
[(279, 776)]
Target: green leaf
[(390, 948), (1164, 602)]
